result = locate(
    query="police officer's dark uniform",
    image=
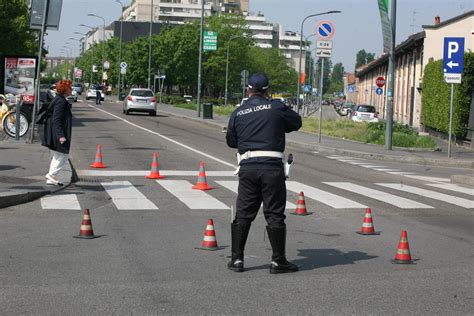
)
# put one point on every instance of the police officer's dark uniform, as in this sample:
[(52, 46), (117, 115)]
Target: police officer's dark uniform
[(98, 95), (257, 128)]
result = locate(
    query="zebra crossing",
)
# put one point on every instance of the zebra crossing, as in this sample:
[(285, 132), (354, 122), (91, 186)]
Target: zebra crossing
[(125, 195)]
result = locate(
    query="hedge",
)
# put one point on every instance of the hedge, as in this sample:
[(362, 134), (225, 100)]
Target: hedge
[(437, 93)]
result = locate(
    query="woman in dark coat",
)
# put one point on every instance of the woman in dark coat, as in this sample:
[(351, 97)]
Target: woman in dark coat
[(57, 130)]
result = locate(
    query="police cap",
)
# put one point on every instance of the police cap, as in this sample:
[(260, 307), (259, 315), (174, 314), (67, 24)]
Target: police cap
[(258, 82)]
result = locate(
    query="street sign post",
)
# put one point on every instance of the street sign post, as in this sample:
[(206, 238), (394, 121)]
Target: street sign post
[(209, 41), (453, 67)]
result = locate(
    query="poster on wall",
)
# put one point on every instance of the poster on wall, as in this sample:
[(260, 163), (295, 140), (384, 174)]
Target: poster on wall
[(20, 74)]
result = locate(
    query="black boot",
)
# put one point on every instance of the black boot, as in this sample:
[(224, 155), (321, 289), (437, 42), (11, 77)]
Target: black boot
[(239, 234), (277, 236)]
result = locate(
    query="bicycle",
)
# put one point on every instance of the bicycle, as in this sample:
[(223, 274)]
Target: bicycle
[(8, 118)]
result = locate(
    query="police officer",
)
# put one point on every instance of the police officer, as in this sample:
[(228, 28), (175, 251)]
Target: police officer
[(257, 129)]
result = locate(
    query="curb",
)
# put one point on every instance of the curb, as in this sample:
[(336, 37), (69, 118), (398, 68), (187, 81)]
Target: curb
[(13, 198), (381, 157), (466, 164)]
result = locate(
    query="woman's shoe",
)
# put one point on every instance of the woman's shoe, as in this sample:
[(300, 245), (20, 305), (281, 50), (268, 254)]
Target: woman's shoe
[(52, 180)]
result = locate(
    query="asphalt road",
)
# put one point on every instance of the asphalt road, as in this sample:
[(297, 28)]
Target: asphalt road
[(146, 261)]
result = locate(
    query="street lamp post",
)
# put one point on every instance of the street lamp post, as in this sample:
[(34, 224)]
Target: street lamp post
[(301, 49), (227, 66), (198, 99), (103, 36), (149, 45), (120, 51)]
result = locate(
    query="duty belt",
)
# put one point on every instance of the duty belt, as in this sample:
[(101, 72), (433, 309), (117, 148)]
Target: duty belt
[(257, 153)]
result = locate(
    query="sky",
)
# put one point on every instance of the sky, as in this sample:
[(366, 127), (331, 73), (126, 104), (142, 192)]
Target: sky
[(357, 27)]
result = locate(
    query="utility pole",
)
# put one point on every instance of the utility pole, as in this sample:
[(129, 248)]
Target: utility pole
[(149, 45), (198, 101), (391, 78)]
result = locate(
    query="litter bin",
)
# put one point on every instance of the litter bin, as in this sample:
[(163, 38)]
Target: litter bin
[(207, 111), (121, 96)]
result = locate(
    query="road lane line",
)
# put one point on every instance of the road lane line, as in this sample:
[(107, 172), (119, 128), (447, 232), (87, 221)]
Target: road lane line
[(387, 170), (167, 138), (234, 187), (430, 194), (324, 197), (452, 187), (194, 199), (378, 195), (371, 166), (60, 202), (400, 173), (142, 173), (126, 197), (429, 179)]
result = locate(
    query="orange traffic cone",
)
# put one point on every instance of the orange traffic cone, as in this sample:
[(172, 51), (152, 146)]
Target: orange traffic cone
[(403, 252), (98, 158), (202, 182), (155, 172), (86, 231), (368, 225), (209, 242), (301, 206)]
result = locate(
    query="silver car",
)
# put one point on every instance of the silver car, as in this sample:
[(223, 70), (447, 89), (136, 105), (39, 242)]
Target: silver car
[(140, 100)]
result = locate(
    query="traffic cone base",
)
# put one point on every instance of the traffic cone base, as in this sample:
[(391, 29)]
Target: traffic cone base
[(403, 255), (301, 206), (86, 231), (202, 181), (98, 159), (209, 241), (155, 172), (365, 233)]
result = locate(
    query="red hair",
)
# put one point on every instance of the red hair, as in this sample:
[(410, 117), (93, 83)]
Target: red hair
[(63, 85)]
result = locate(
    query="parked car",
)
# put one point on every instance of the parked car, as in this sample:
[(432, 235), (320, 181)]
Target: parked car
[(73, 96), (78, 87), (346, 108), (92, 92), (188, 98), (140, 100), (365, 113)]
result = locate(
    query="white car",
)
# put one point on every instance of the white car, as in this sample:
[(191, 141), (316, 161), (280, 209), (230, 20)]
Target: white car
[(92, 92), (140, 100), (365, 113), (73, 96)]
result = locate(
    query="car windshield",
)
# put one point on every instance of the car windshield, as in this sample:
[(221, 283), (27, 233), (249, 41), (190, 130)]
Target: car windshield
[(366, 108), (141, 93), (79, 85), (95, 88)]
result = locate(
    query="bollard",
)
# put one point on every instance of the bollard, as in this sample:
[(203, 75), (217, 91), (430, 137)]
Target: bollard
[(17, 119)]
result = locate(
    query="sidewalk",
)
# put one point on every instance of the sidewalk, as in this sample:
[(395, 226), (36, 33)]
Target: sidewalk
[(22, 170), (461, 157)]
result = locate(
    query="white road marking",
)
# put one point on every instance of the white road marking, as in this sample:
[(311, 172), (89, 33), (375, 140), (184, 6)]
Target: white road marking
[(324, 197), (387, 170), (378, 195), (452, 187), (60, 202), (401, 173), (142, 173), (194, 199), (167, 138), (126, 197), (234, 186), (430, 194), (429, 179), (372, 166), (361, 163)]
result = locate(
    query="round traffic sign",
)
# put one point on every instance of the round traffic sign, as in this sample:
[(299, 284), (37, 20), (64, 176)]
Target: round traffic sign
[(379, 91), (123, 65), (325, 30), (380, 82)]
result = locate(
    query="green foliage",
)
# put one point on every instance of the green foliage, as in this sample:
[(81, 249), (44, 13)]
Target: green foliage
[(173, 99), (15, 35), (436, 98), (363, 58), (373, 133)]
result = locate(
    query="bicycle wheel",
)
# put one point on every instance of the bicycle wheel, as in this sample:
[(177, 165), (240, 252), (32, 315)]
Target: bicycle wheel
[(9, 122)]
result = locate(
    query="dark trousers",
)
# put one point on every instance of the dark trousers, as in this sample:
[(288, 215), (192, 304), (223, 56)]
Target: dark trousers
[(97, 98), (257, 186)]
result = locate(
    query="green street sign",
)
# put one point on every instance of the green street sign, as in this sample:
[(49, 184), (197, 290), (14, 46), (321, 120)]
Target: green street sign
[(209, 41)]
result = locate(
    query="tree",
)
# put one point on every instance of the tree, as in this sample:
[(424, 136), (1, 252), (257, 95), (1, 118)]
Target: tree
[(363, 58), (326, 74), (337, 82)]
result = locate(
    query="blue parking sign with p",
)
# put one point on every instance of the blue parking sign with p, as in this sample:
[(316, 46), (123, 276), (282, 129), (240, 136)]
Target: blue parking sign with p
[(453, 55)]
